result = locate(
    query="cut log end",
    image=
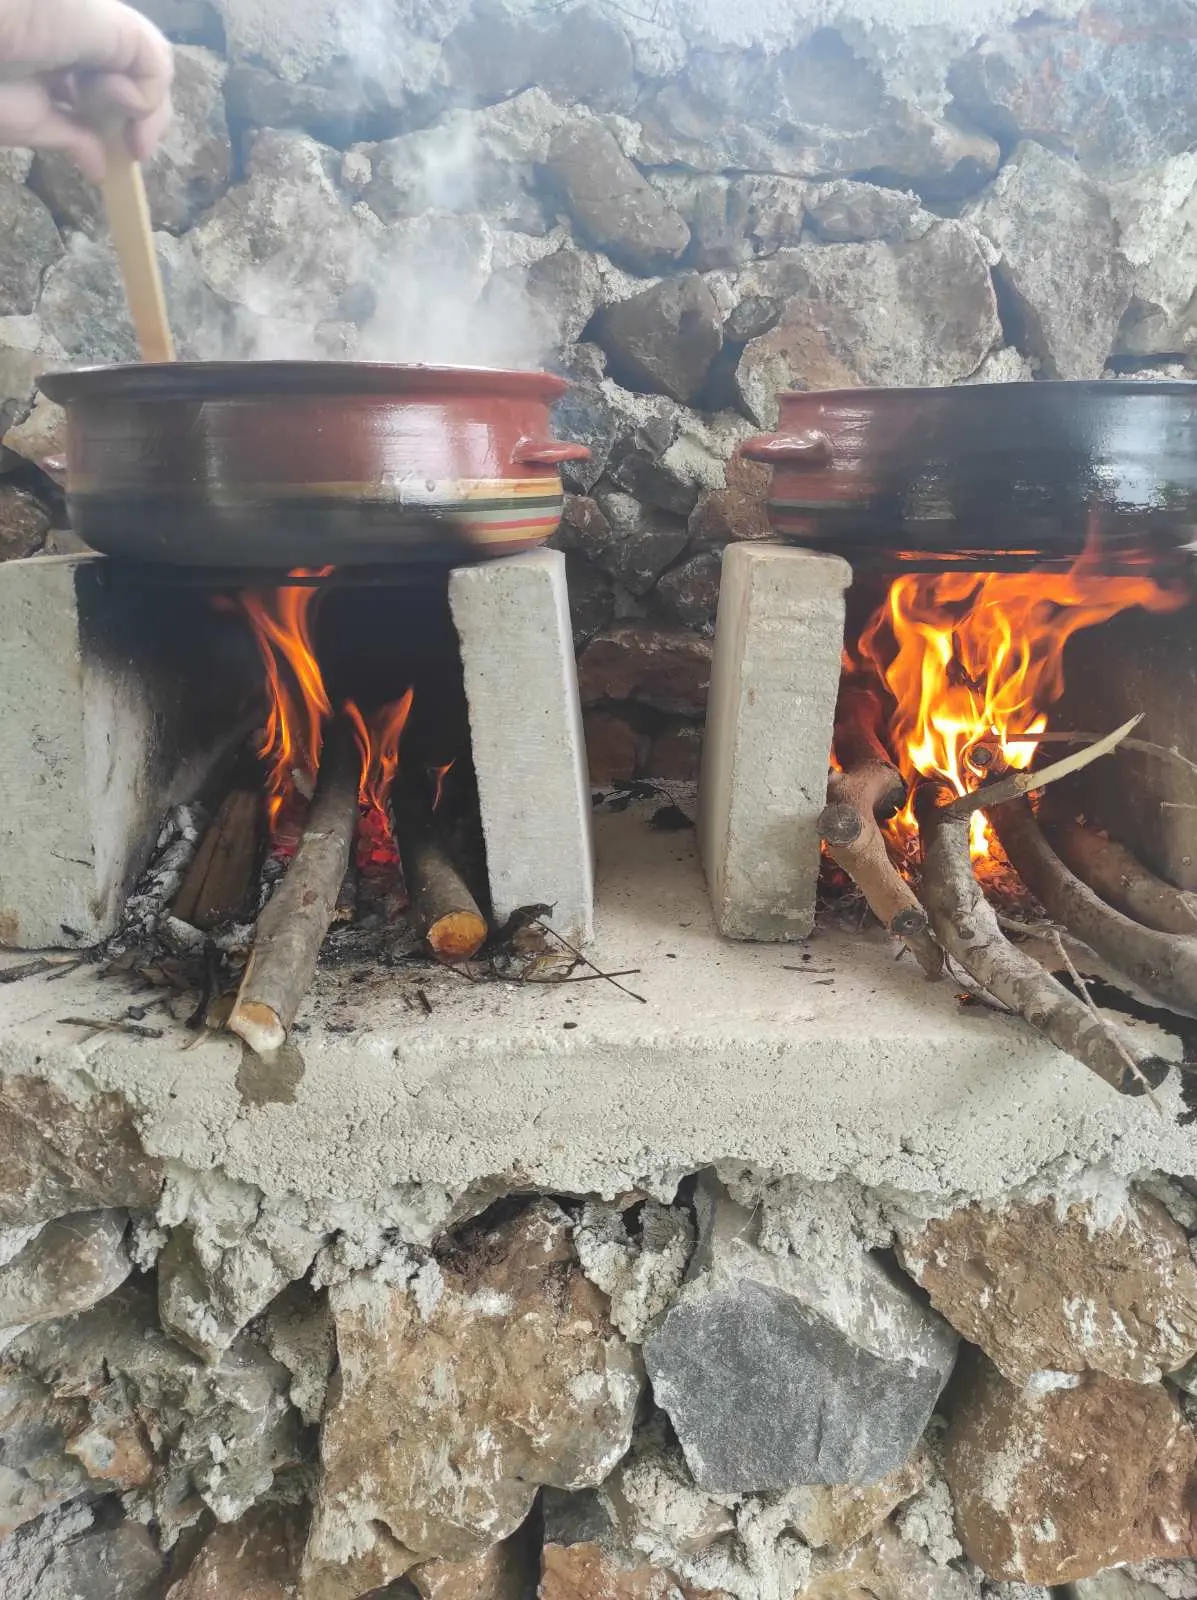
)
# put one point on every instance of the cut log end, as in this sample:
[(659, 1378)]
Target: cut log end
[(457, 936), (259, 1026)]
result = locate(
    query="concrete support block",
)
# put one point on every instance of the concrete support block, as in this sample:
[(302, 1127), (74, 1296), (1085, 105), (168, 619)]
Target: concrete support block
[(774, 681), (99, 713), (512, 618)]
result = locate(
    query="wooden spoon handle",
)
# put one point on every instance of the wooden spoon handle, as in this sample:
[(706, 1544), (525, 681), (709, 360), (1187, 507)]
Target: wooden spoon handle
[(133, 237)]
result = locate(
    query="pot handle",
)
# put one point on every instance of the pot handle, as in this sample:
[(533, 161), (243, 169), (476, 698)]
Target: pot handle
[(806, 449), (547, 453)]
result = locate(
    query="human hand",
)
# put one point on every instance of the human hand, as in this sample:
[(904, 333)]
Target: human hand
[(68, 68)]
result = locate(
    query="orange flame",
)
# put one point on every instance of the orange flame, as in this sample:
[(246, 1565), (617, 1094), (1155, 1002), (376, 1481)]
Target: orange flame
[(440, 774), (975, 658), (378, 744), (281, 620)]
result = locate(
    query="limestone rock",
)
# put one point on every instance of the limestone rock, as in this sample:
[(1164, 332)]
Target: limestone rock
[(615, 209), (467, 163), (83, 303), (36, 1473), (254, 1559), (39, 437), (65, 1148), (587, 1572), (462, 1387), (885, 1567), (173, 1434), (226, 1257), (675, 753), (784, 1370), (27, 350), (71, 1264), (631, 541), (115, 1563), (1058, 258), (920, 311), (690, 591), (504, 1572), (614, 751), (24, 523), (1051, 1485), (664, 339), (846, 212), (1176, 1580), (639, 1273), (835, 1516), (645, 426), (1047, 1288), (297, 1329), (816, 110), (1116, 1585), (666, 668), (1038, 82), (29, 245), (1157, 217), (581, 54)]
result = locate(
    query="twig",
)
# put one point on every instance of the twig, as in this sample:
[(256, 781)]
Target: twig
[(1082, 989), (39, 964), (586, 962), (1017, 784), (138, 1030), (586, 977), (1146, 746)]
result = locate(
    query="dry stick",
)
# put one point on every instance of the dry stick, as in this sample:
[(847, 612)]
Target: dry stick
[(1148, 747), (216, 886), (1165, 964), (862, 754), (1112, 872), (443, 911), (1082, 989), (293, 924), (848, 827), (968, 929), (1012, 785)]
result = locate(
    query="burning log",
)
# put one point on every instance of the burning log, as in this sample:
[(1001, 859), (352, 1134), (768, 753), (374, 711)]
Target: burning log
[(443, 911), (1112, 872), (217, 883), (848, 827), (1165, 964), (968, 929), (294, 923), (862, 755)]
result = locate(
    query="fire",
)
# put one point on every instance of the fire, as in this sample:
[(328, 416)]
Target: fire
[(976, 660), (298, 705)]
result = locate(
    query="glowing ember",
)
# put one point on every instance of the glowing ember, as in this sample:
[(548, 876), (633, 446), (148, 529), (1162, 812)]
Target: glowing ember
[(297, 701), (378, 742), (973, 660)]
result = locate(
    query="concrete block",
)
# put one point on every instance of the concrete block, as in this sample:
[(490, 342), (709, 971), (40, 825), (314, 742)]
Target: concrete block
[(512, 618), (774, 680), (104, 692)]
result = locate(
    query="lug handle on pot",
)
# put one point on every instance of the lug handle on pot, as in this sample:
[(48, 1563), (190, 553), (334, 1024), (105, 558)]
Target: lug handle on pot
[(547, 453), (807, 449)]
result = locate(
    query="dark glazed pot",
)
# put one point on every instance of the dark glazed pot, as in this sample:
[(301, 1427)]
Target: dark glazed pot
[(280, 464), (1003, 474)]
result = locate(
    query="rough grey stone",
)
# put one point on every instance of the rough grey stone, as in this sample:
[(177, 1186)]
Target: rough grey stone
[(297, 1329), (117, 1563), (29, 245), (173, 1434), (543, 304), (633, 542), (188, 172), (26, 351), (576, 53), (616, 209), (591, 597), (639, 1272), (1157, 217), (1111, 87), (465, 163), (72, 1263), (690, 591), (817, 110), (584, 416), (36, 1473), (26, 1554), (846, 212), (83, 303), (24, 523), (1059, 260), (919, 312), (668, 669), (646, 426), (777, 1371), (226, 1257), (664, 339)]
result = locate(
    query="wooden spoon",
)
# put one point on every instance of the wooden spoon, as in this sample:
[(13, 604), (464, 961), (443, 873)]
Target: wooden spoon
[(133, 236)]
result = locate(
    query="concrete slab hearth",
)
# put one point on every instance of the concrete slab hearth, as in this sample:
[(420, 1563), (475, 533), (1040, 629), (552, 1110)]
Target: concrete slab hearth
[(844, 1063)]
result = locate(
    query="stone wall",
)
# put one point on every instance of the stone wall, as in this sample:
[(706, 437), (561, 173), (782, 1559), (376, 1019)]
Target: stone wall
[(739, 1387), (682, 207)]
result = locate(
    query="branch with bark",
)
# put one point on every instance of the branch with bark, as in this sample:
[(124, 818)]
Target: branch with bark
[(1122, 881)]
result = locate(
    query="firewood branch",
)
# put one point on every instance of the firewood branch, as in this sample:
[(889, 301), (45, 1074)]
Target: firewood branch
[(967, 927), (1121, 880), (443, 910), (1163, 964), (1014, 784), (848, 827), (293, 924)]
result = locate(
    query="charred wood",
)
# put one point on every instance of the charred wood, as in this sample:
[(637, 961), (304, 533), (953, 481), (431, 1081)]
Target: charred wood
[(968, 929), (293, 925), (860, 751), (1164, 964), (217, 884), (443, 911), (848, 827), (1112, 872)]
